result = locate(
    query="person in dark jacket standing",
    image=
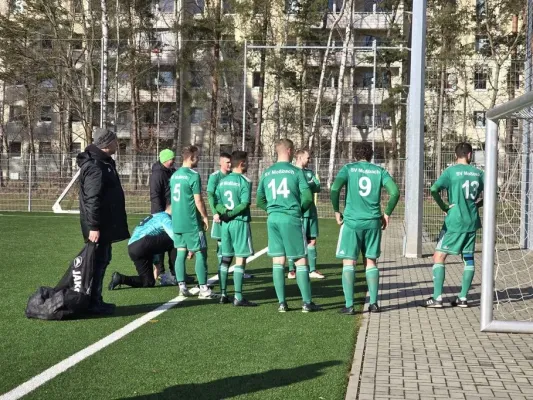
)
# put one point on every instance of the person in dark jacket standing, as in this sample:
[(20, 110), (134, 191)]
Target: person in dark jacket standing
[(102, 208), (159, 198), (160, 181)]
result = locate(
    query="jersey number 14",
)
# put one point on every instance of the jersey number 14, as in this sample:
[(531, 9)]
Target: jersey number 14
[(281, 190)]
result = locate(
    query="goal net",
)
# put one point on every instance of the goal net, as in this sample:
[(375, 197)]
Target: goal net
[(507, 289)]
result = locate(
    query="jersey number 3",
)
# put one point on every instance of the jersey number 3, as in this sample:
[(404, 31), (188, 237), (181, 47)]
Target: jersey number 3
[(176, 193), (230, 205), (282, 189)]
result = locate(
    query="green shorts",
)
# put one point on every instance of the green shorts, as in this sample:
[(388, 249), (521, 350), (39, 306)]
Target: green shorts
[(192, 241), (311, 227), (352, 241), (456, 243), (236, 239), (286, 237), (216, 230)]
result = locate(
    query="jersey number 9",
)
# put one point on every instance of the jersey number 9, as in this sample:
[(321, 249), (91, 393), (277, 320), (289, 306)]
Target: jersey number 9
[(365, 186)]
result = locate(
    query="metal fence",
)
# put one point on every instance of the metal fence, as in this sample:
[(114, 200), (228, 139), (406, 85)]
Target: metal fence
[(35, 184)]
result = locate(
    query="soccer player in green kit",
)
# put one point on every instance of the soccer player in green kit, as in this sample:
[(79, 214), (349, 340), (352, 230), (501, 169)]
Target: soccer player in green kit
[(284, 194), (363, 221), (190, 221), (464, 184), (212, 183), (232, 202), (310, 218)]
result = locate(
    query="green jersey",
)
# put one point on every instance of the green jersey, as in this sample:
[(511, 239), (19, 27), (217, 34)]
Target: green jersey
[(212, 184), (364, 182), (184, 184), (233, 190), (314, 185), (464, 184), (282, 185)]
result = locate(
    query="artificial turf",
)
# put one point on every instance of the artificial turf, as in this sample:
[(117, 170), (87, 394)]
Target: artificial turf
[(197, 350)]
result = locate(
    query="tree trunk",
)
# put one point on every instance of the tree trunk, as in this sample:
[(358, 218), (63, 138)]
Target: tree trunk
[(3, 141), (262, 68), (117, 64), (318, 103), (105, 55), (340, 92), (214, 87), (178, 129)]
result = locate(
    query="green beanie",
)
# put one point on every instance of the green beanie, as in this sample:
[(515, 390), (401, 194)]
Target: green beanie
[(166, 155)]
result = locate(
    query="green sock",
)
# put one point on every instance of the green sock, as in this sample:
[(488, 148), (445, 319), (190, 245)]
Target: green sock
[(223, 278), (372, 281), (439, 274), (278, 274), (291, 265), (302, 279), (201, 267), (311, 256), (468, 276), (238, 273), (348, 280), (219, 252), (179, 265)]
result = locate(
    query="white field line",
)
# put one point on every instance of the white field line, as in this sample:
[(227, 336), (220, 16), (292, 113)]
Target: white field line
[(62, 366)]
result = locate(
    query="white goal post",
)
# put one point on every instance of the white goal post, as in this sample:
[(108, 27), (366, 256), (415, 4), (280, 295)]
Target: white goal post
[(57, 205), (514, 257)]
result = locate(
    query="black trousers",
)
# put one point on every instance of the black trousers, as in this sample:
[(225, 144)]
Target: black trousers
[(142, 254), (170, 263), (102, 258)]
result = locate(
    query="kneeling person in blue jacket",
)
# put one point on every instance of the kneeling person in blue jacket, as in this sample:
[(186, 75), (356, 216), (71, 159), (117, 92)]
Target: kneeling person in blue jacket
[(152, 237)]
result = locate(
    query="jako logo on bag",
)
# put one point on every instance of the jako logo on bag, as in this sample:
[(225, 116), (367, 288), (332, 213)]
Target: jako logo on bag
[(77, 261)]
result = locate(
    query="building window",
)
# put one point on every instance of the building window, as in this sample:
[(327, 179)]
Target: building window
[(164, 6), (513, 80), (197, 115), (256, 79), (15, 149), (367, 80), (16, 6), (45, 147), (226, 148), (75, 115), (46, 114), (224, 117), (292, 6), (198, 6), (370, 39), (479, 119), (481, 77), (15, 113), (335, 6), (482, 43), (165, 113), (255, 115), (75, 148), (166, 78), (227, 7), (77, 6), (197, 80), (481, 9), (367, 117), (77, 41), (451, 81)]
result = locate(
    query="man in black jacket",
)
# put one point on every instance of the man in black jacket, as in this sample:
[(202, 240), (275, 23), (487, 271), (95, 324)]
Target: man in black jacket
[(102, 208), (159, 198)]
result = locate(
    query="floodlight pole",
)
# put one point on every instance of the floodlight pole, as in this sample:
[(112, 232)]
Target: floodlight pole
[(374, 49), (414, 195)]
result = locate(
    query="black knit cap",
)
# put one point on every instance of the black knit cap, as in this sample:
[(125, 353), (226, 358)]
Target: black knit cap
[(103, 137)]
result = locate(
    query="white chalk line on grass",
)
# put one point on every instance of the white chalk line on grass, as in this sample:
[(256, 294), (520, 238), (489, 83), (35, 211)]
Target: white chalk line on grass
[(62, 366)]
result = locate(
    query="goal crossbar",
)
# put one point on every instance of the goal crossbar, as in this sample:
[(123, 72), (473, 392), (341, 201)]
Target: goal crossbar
[(520, 107)]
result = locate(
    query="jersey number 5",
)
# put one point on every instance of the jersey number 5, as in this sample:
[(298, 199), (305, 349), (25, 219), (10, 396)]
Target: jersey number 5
[(176, 193), (282, 189), (470, 188)]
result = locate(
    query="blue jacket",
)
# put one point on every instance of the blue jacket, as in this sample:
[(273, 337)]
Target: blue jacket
[(153, 225)]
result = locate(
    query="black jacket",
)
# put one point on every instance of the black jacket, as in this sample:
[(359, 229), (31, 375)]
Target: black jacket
[(159, 187), (102, 204)]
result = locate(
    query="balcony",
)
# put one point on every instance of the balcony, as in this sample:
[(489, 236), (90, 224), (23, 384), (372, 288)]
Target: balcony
[(356, 58), (362, 20)]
